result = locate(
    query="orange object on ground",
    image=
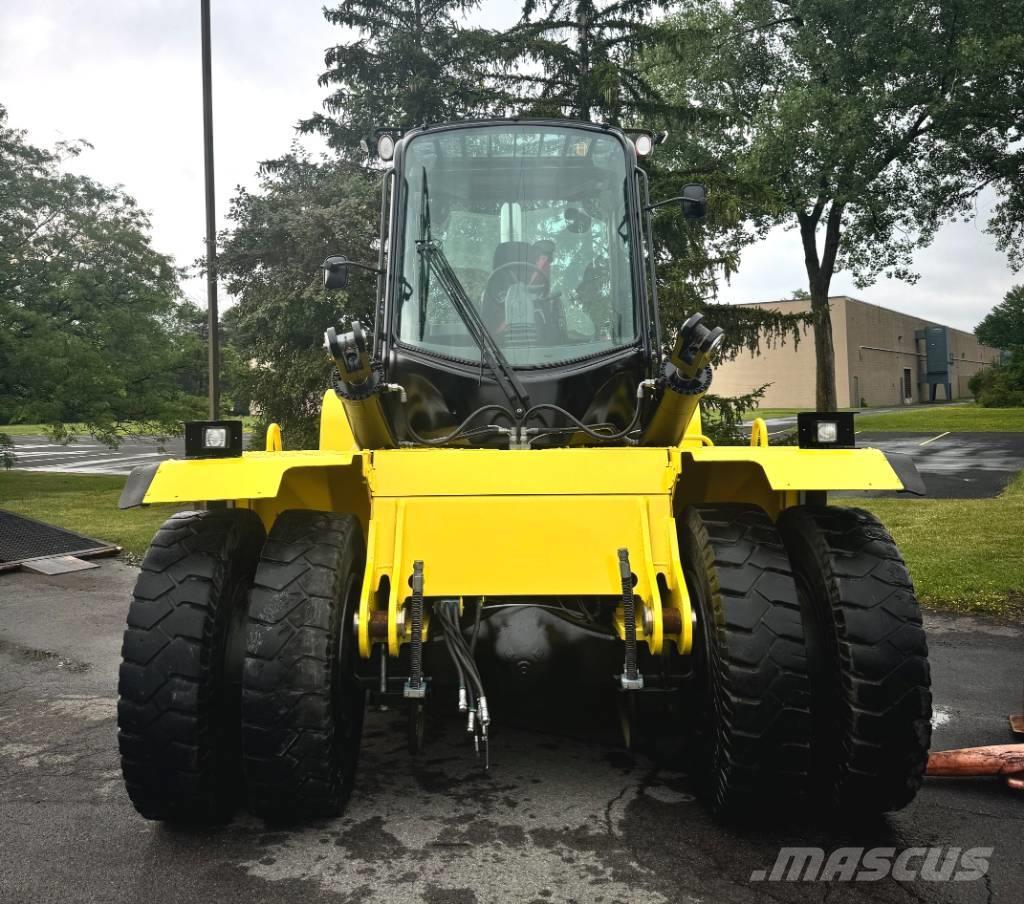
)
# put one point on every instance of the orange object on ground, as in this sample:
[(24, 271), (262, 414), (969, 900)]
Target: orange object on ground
[(997, 759)]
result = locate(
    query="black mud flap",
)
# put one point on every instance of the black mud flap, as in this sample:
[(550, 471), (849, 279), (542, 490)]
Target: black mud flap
[(136, 486), (907, 472)]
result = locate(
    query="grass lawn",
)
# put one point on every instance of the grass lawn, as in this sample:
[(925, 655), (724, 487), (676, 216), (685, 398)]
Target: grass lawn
[(768, 413), (30, 429), (964, 554), (963, 418), (40, 429), (85, 503), (923, 418)]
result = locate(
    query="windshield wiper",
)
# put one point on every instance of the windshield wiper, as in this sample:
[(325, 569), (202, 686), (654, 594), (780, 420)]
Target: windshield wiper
[(436, 261)]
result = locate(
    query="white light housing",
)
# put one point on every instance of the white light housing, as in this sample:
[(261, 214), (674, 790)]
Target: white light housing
[(828, 431), (215, 438), (644, 144), (386, 147)]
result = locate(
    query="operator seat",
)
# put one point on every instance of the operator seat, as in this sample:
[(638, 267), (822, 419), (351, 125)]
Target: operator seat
[(515, 306)]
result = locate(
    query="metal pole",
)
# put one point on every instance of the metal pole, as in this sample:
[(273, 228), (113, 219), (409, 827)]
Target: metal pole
[(211, 221)]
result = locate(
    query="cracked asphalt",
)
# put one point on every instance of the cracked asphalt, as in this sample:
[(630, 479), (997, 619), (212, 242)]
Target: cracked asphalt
[(563, 816)]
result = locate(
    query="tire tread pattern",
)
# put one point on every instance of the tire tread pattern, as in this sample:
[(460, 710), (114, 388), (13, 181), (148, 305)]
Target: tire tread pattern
[(878, 683), (763, 694), (291, 744), (177, 756)]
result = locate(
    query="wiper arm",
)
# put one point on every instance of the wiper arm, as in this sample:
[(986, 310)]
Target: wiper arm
[(432, 254)]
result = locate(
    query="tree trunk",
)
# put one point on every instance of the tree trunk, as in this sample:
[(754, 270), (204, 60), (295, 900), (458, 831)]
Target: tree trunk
[(824, 352), (584, 98), (819, 278)]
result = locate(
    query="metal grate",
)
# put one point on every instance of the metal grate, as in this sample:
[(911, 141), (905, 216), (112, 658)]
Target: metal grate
[(24, 538)]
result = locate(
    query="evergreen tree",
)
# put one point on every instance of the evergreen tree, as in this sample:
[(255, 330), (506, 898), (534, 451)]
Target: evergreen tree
[(411, 62), (586, 52)]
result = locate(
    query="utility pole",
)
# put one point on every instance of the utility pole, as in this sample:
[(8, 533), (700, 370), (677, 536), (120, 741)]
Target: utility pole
[(213, 322)]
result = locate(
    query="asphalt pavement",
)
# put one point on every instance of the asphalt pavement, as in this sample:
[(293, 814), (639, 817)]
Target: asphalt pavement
[(956, 465), (564, 815), (87, 456)]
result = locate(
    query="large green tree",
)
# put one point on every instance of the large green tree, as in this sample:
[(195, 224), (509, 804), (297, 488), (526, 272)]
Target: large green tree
[(1003, 326), (871, 123), (92, 328), (577, 58), (303, 210), (406, 63)]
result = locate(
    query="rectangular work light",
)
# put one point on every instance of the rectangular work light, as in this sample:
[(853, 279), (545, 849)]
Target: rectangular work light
[(213, 439), (825, 430)]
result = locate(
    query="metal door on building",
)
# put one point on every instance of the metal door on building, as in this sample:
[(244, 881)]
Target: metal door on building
[(908, 386)]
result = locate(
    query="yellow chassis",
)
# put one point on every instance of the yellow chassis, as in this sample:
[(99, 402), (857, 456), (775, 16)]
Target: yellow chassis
[(519, 523)]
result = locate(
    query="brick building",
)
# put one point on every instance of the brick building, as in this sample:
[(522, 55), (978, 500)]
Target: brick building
[(883, 358)]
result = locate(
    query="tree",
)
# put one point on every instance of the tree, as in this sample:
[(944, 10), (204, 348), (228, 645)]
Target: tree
[(1003, 326), (605, 62), (304, 210), (872, 122), (1002, 385), (91, 325), (585, 51), (409, 63)]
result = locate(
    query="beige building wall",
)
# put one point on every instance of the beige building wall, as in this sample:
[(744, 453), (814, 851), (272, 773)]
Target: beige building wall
[(879, 361)]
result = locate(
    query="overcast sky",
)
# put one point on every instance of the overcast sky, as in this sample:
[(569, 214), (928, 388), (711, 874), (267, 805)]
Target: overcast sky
[(125, 76)]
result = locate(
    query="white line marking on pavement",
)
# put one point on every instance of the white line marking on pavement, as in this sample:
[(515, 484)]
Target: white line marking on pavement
[(121, 459), (34, 454), (932, 440), (92, 463)]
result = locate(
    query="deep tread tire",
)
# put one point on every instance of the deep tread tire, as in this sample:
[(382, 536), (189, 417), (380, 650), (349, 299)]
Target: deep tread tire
[(751, 695), (302, 710), (869, 659), (178, 707)]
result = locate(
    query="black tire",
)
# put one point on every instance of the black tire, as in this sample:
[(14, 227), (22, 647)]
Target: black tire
[(302, 709), (179, 685), (750, 695), (869, 659)]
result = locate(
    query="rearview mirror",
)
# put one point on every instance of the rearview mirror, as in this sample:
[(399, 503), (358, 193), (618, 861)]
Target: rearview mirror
[(694, 201), (336, 272)]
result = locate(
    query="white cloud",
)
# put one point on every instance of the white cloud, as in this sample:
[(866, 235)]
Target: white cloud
[(126, 77)]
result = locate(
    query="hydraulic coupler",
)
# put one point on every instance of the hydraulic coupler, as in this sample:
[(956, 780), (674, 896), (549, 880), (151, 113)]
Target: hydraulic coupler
[(686, 377), (359, 386)]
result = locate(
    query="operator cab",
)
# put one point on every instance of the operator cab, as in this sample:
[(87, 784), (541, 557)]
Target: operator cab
[(514, 283)]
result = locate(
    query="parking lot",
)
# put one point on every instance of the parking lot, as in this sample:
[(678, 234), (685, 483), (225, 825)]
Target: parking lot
[(87, 456), (957, 465), (564, 815)]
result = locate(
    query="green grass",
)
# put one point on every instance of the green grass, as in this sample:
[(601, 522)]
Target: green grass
[(964, 555), (79, 429), (966, 418), (767, 413), (955, 418), (85, 503), (31, 429)]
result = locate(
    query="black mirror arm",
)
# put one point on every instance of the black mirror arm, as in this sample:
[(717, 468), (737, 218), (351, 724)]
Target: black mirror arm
[(677, 200), (367, 267)]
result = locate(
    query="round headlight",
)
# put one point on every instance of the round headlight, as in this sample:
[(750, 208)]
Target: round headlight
[(386, 147), (644, 144)]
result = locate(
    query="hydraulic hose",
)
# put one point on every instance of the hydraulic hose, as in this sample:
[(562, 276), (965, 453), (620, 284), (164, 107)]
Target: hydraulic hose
[(458, 431)]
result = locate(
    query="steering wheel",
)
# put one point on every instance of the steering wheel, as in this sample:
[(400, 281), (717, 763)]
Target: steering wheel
[(522, 267)]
